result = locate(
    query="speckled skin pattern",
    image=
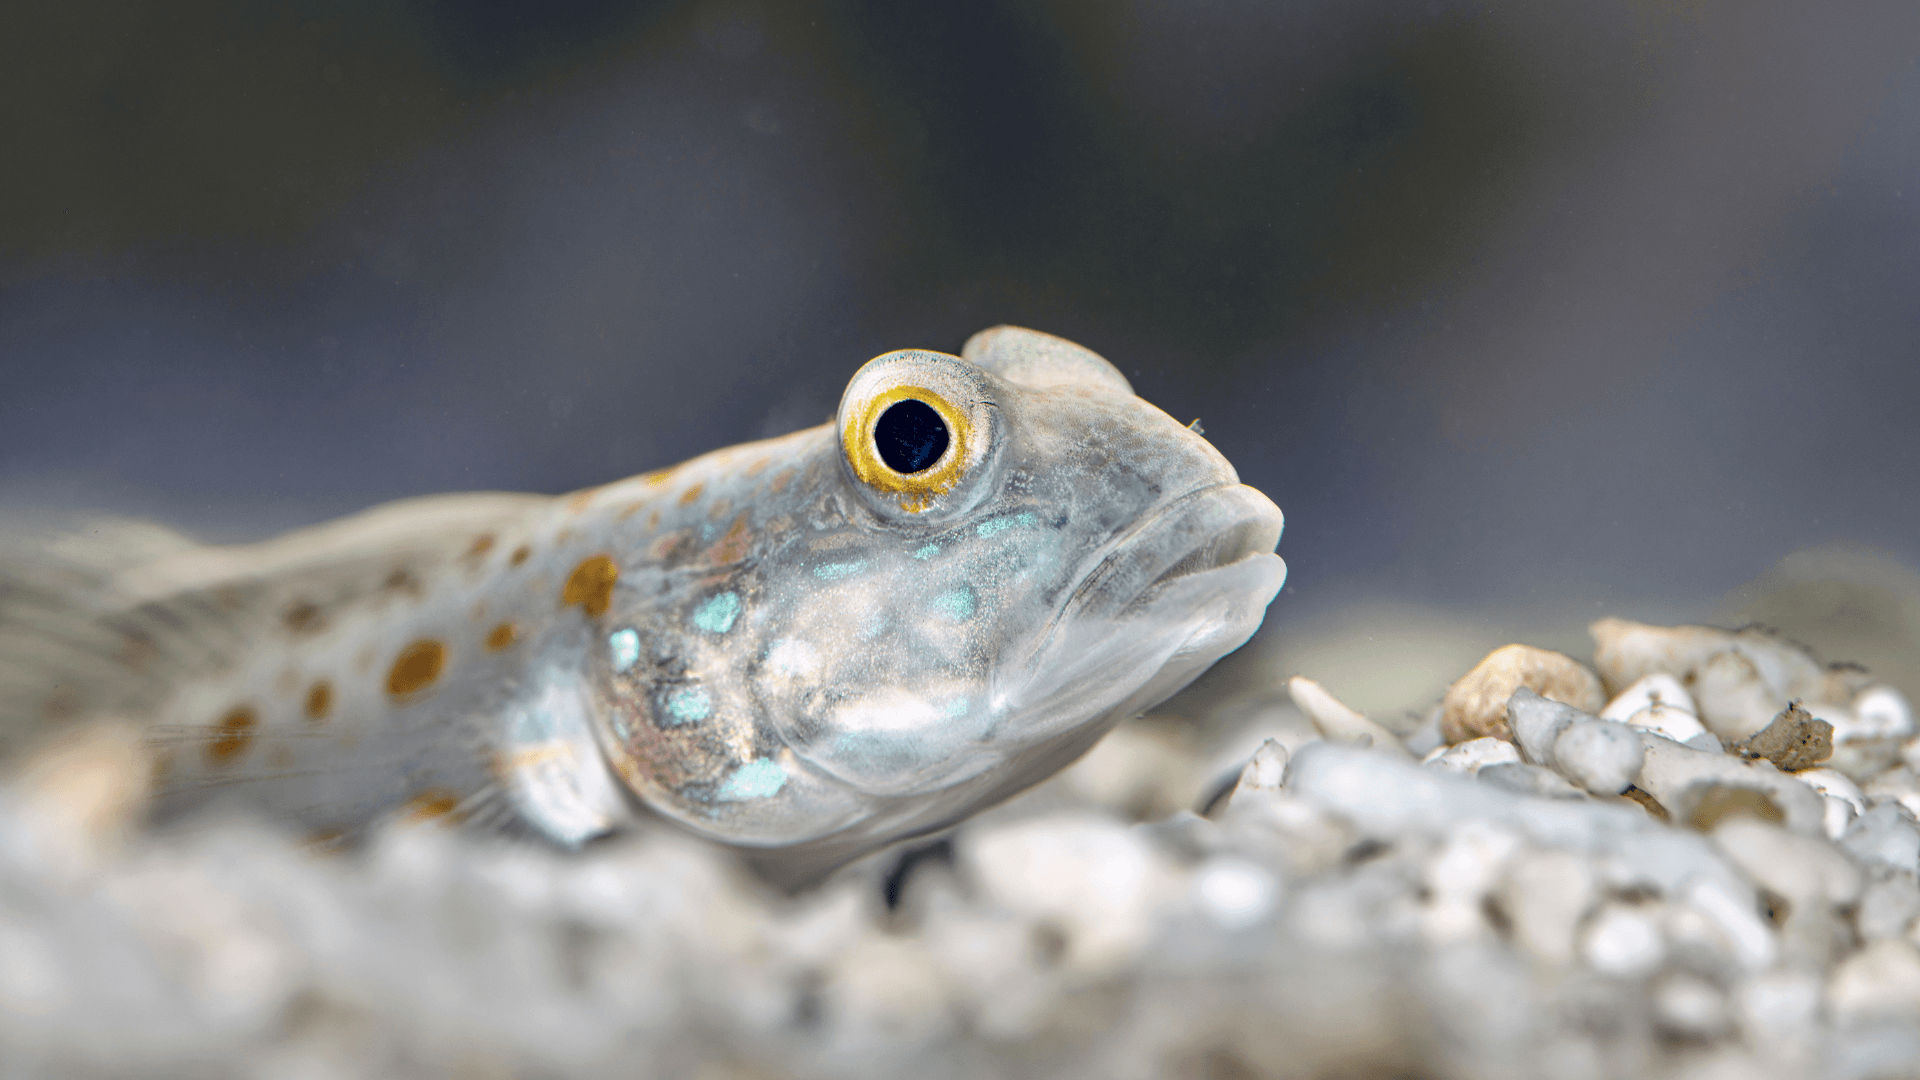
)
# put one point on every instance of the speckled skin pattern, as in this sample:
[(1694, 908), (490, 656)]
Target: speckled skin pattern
[(782, 645)]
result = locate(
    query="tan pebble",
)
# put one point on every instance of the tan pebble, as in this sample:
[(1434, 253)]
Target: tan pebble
[(1795, 740), (1626, 652), (1476, 706)]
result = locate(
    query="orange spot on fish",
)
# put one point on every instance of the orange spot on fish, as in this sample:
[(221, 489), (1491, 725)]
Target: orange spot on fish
[(759, 466), (402, 581), (520, 555), (581, 499), (591, 585), (429, 805), (234, 735), (688, 496), (720, 509), (481, 545), (137, 650), (302, 617), (319, 700), (733, 546), (653, 521), (416, 668), (656, 477), (501, 636), (782, 479)]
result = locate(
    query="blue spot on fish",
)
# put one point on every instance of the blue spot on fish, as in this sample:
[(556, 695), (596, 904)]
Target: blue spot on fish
[(834, 571), (1002, 524), (716, 615), (957, 708), (754, 780), (927, 552), (688, 706), (624, 645), (956, 604)]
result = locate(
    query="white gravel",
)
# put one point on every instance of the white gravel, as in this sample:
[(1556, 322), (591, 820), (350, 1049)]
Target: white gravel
[(1492, 912)]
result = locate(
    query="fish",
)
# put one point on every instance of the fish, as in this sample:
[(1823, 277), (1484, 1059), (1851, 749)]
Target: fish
[(809, 647)]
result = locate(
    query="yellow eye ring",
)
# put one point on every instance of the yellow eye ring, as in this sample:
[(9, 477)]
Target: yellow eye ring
[(916, 490)]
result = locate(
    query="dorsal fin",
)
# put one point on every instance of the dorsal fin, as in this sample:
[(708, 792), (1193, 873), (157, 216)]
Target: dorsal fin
[(1038, 360)]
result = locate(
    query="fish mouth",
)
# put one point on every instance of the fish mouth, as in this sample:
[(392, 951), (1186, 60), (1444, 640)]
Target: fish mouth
[(1203, 531), (1185, 586)]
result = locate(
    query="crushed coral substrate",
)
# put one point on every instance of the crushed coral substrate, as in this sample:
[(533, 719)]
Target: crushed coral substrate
[(1695, 857)]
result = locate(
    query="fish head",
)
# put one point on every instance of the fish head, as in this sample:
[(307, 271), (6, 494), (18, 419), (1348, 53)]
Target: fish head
[(989, 560)]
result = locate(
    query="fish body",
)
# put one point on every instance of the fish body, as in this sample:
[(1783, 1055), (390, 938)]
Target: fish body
[(815, 644)]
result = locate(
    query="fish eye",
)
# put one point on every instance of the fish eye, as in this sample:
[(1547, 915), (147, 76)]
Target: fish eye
[(919, 432), (910, 436)]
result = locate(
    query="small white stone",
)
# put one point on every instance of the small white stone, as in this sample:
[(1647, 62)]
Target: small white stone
[(1095, 879), (1689, 1005), (1340, 724), (1734, 913), (1885, 834), (1835, 784), (1623, 941), (1735, 700), (1659, 689), (1879, 712), (1880, 982), (1537, 721), (1675, 724), (1546, 894), (1887, 908), (1235, 893), (1899, 785), (1473, 755), (1264, 775), (1599, 755), (1458, 877)]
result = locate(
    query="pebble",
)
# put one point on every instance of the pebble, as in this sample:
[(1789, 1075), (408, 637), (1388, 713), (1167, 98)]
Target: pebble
[(1599, 755), (1887, 908), (1794, 740), (1886, 836), (1879, 982), (1473, 755), (1093, 881), (1338, 723), (1689, 1006), (1879, 712), (1658, 688), (1623, 941), (1476, 705), (1683, 779), (1845, 801), (1626, 652), (1546, 894), (1657, 703), (1532, 780)]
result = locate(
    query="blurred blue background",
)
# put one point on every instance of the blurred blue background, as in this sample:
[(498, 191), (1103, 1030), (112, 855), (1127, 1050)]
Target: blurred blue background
[(1602, 300)]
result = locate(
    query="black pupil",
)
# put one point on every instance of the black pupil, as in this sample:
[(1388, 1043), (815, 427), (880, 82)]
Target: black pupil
[(910, 435)]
